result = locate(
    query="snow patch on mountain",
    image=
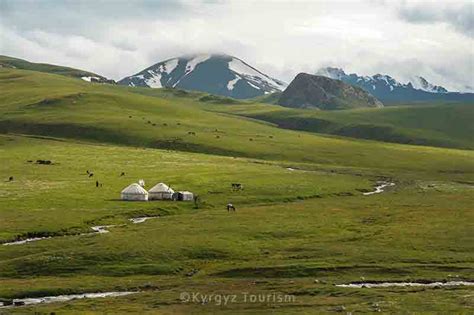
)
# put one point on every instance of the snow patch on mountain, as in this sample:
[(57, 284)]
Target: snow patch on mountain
[(154, 78), (255, 77), (195, 61), (231, 83), (154, 81)]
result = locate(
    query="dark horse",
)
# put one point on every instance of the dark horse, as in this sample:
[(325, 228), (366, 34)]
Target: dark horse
[(230, 207)]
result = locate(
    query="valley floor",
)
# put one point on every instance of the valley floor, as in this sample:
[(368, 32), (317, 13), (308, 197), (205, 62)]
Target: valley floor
[(299, 230)]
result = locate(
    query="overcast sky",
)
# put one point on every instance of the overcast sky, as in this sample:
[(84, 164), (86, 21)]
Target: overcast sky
[(281, 38)]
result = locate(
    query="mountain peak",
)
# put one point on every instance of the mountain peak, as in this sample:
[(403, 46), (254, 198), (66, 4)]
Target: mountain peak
[(421, 83), (331, 72), (215, 73)]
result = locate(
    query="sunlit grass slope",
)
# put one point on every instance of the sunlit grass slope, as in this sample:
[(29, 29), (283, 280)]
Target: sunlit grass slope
[(51, 105)]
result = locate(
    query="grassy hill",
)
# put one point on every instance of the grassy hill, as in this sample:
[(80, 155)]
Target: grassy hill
[(15, 63), (438, 124), (302, 223), (111, 114)]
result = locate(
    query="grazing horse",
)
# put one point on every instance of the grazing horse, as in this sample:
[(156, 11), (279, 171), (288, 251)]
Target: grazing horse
[(230, 207), (123, 174), (10, 179)]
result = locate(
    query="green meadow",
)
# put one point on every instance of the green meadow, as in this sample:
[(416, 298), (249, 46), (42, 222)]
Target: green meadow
[(433, 124), (302, 224)]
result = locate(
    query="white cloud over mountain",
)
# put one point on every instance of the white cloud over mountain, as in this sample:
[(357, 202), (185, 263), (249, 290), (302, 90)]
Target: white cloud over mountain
[(281, 38)]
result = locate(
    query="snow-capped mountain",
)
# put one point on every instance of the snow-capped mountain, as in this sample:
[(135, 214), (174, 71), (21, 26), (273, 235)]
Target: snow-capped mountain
[(388, 89), (217, 74), (420, 83)]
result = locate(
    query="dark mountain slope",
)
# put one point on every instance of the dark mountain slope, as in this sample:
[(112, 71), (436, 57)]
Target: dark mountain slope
[(311, 91)]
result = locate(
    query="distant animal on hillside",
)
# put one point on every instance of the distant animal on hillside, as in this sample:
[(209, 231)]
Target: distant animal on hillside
[(45, 162), (91, 174), (196, 201), (191, 133), (10, 179), (87, 172), (237, 186), (122, 174), (96, 183), (230, 207)]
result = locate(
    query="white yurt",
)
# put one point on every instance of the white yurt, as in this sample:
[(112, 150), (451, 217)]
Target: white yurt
[(134, 192), (183, 196), (161, 191)]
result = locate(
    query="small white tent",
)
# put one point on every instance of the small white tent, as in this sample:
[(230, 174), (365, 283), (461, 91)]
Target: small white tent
[(161, 191), (183, 196), (134, 192)]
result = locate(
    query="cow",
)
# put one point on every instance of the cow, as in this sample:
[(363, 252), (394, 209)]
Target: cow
[(237, 186), (230, 207)]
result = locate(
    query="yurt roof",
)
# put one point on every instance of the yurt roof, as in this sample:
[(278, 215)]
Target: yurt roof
[(161, 187), (134, 189)]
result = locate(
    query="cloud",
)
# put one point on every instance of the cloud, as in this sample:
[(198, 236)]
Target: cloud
[(458, 15), (280, 38)]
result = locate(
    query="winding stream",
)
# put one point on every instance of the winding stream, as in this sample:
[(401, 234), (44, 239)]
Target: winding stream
[(379, 188), (141, 219), (63, 298), (404, 284), (99, 229)]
